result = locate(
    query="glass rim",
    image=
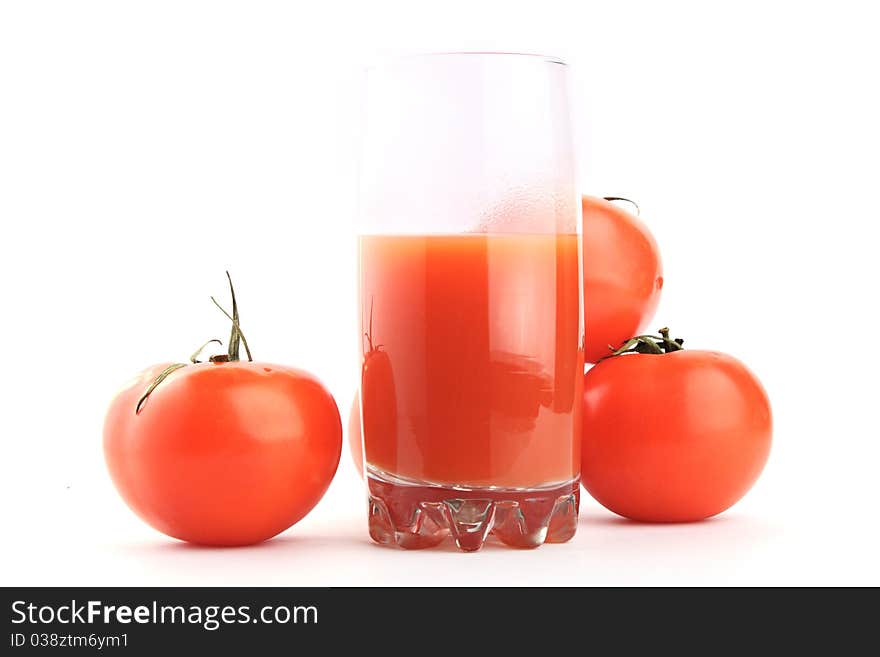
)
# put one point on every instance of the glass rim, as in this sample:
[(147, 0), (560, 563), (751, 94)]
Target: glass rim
[(394, 59)]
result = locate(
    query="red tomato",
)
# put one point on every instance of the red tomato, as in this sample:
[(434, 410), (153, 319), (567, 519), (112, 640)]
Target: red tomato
[(380, 416), (223, 453), (623, 276), (673, 437)]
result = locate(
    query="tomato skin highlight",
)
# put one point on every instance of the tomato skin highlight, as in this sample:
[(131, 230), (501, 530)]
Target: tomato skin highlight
[(223, 453), (677, 437), (623, 276)]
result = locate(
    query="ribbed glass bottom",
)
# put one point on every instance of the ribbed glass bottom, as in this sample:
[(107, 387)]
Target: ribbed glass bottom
[(415, 515)]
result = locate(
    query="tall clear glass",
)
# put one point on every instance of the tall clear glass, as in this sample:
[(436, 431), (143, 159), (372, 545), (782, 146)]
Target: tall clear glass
[(470, 301)]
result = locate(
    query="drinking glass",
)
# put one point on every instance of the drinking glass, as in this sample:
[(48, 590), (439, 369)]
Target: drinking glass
[(470, 303)]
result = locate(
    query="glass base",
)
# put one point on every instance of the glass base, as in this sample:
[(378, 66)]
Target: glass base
[(415, 515)]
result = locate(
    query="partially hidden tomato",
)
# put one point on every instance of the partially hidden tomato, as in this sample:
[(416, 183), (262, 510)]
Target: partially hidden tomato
[(672, 435), (623, 276), (379, 416), (355, 443), (224, 452)]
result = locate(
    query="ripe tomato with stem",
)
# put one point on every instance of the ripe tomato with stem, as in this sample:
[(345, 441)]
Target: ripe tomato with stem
[(672, 435), (224, 452)]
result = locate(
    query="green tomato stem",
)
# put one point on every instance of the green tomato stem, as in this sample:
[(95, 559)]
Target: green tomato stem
[(648, 344), (236, 338)]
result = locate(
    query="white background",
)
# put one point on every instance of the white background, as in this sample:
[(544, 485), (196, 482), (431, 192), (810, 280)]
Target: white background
[(147, 146)]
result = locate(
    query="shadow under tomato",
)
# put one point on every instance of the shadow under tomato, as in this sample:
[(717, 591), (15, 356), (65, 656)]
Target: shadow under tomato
[(725, 536), (620, 521), (277, 544)]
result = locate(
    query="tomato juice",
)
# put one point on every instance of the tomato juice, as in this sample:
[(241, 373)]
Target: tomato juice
[(472, 358)]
